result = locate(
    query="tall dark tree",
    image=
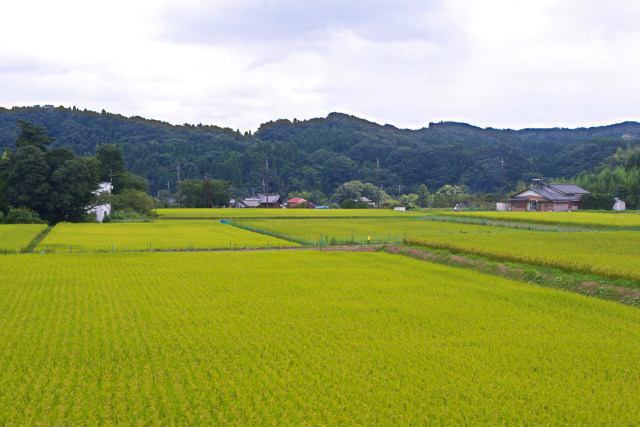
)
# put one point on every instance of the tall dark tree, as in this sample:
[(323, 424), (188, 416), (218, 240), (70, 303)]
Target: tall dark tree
[(219, 190), (55, 184), (28, 180), (110, 161), (72, 184), (33, 135)]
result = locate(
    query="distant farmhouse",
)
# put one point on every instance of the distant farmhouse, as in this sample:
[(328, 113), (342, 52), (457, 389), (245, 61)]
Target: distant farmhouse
[(262, 201), (548, 197)]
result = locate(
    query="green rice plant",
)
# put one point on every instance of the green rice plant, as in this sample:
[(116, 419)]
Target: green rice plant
[(629, 220), (14, 237), (281, 213), (162, 235), (360, 230), (612, 254), (299, 338)]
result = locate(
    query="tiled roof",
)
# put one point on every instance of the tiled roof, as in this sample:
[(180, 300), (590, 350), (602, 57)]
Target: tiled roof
[(568, 188), (272, 198), (553, 194), (296, 200)]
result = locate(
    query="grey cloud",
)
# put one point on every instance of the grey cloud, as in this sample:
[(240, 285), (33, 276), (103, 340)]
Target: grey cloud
[(288, 20)]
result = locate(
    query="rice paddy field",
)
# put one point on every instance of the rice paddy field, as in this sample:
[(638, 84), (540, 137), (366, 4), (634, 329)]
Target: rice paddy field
[(205, 338), (169, 234), (359, 229), (14, 237), (280, 213), (629, 220), (611, 254)]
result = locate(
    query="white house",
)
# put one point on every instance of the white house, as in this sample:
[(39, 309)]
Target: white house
[(102, 210), (619, 205)]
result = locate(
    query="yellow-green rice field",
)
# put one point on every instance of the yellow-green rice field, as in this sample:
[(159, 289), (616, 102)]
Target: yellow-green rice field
[(280, 213), (362, 230), (303, 338), (568, 219), (169, 234), (14, 237), (613, 254)]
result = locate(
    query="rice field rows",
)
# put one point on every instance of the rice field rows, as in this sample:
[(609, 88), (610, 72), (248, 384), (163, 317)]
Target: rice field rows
[(612, 254), (303, 338), (280, 213), (14, 237), (603, 220), (181, 235), (361, 230)]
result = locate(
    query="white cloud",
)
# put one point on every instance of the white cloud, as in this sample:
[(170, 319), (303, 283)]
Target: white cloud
[(240, 63)]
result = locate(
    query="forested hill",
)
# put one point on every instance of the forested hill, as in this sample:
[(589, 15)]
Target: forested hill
[(321, 154)]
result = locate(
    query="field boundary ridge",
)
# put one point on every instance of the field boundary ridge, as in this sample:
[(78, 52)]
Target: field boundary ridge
[(623, 291)]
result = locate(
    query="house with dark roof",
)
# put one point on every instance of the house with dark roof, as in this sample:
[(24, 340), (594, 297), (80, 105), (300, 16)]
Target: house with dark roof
[(249, 202), (544, 197), (270, 201), (262, 201)]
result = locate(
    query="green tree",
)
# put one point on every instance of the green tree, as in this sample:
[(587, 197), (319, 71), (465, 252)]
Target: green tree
[(136, 200), (351, 190), (424, 197), (28, 180), (449, 196), (191, 193), (32, 135), (219, 192), (5, 165), (73, 185), (410, 201), (110, 164), (348, 204), (22, 216)]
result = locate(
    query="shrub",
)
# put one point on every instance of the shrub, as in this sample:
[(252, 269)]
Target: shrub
[(22, 216)]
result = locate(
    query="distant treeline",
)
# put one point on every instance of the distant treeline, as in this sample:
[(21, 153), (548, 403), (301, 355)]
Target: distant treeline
[(319, 155)]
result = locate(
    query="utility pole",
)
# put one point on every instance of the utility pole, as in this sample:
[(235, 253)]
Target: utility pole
[(501, 177), (207, 194), (178, 169), (399, 187), (378, 178), (267, 183)]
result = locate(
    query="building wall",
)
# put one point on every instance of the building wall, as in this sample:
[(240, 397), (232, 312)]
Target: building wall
[(619, 206), (102, 210), (518, 206)]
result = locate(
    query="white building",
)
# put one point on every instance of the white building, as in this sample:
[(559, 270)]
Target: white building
[(619, 205), (102, 210)]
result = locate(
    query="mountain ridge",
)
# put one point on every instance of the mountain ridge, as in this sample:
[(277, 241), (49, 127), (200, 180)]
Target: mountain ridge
[(321, 153)]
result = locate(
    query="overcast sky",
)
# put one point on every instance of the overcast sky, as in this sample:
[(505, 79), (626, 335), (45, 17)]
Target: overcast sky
[(240, 63)]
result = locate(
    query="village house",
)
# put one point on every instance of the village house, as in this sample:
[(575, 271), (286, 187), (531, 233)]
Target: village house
[(262, 201), (299, 202), (548, 197), (271, 201)]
